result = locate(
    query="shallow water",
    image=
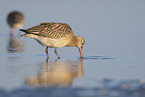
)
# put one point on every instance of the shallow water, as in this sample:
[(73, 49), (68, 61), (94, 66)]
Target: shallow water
[(114, 48)]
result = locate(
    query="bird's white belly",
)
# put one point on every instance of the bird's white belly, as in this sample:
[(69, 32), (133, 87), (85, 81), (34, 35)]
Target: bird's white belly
[(53, 43)]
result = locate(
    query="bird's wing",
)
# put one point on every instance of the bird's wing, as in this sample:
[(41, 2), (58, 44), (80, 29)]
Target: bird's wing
[(34, 30), (51, 30), (55, 30)]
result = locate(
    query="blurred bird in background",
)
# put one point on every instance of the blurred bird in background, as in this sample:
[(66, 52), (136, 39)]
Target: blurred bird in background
[(15, 19)]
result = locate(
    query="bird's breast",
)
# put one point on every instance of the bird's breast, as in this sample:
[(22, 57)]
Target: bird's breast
[(52, 42)]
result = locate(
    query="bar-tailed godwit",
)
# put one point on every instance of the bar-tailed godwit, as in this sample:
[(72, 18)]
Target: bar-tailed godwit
[(55, 35)]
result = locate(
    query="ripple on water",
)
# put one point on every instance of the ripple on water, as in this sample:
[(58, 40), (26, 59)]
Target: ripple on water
[(98, 57)]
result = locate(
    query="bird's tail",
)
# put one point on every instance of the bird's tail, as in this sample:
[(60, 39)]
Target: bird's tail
[(24, 30)]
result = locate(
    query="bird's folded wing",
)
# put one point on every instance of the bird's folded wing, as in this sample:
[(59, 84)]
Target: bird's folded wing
[(51, 30)]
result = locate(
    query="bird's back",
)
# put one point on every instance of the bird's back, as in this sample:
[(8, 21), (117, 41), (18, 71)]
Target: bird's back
[(51, 30)]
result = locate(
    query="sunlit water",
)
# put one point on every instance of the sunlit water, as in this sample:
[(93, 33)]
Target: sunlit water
[(114, 48)]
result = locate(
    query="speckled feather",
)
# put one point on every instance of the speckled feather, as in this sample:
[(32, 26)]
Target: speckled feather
[(51, 30)]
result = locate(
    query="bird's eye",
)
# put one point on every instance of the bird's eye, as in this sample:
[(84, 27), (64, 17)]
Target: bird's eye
[(82, 43)]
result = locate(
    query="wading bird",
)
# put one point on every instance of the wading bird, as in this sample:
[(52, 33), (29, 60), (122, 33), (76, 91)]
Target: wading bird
[(55, 35), (15, 19)]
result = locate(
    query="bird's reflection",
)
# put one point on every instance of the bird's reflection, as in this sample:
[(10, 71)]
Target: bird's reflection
[(57, 74), (15, 44)]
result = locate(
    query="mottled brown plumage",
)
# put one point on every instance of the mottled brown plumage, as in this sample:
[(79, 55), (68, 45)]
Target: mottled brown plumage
[(51, 30), (55, 35)]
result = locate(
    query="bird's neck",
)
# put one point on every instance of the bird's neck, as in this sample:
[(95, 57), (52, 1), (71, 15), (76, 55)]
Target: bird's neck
[(73, 42)]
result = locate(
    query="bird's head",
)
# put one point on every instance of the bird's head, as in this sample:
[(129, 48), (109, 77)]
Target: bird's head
[(80, 45)]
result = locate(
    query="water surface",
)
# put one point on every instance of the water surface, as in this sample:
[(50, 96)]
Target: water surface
[(114, 50)]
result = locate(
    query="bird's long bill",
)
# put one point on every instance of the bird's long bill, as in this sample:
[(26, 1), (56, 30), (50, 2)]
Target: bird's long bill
[(81, 52)]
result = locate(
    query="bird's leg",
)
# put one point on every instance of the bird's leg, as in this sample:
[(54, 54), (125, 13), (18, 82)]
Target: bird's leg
[(56, 53), (12, 30), (46, 50)]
